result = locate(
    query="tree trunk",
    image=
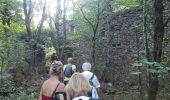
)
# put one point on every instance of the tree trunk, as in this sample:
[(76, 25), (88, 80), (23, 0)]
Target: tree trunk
[(139, 77), (94, 48), (27, 12), (157, 49), (43, 17), (145, 31), (64, 29), (2, 66), (58, 14), (57, 25)]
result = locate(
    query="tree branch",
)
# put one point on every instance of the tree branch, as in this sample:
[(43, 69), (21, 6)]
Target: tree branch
[(98, 16), (30, 8), (25, 7), (91, 24), (99, 13)]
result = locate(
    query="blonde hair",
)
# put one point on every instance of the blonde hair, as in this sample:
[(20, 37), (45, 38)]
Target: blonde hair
[(77, 84)]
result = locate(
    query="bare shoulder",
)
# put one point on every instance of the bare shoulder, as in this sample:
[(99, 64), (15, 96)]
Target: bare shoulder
[(61, 87), (46, 82)]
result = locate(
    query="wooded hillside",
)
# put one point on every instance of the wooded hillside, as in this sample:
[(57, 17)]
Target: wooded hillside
[(126, 41)]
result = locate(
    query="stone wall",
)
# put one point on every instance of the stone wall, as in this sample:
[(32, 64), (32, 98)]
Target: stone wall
[(119, 42), (116, 44)]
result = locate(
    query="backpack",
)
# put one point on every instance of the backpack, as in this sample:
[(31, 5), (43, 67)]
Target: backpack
[(91, 84), (58, 95), (84, 98), (68, 71)]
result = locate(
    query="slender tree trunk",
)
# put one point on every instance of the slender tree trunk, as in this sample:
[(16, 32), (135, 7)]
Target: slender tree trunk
[(28, 28), (28, 8), (94, 48), (55, 35), (94, 26), (58, 14), (2, 65), (158, 30), (145, 31), (27, 12), (157, 49), (139, 77), (64, 29)]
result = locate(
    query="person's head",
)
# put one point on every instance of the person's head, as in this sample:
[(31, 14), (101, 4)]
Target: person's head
[(56, 68), (86, 66), (70, 60), (77, 85), (54, 57)]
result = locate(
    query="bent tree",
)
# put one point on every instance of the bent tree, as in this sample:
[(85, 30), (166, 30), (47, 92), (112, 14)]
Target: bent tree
[(100, 7)]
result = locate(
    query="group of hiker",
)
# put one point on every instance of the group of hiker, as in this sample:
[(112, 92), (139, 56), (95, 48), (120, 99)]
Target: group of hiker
[(65, 83)]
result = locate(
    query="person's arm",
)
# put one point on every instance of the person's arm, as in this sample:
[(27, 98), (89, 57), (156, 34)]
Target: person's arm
[(68, 95), (96, 81), (68, 92), (74, 68), (61, 87), (64, 67), (40, 96), (61, 97), (97, 84)]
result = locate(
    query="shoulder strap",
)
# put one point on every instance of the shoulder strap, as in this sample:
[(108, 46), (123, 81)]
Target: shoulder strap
[(92, 77), (55, 89), (72, 71)]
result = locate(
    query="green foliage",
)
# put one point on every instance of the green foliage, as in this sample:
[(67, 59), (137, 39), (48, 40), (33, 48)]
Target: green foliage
[(82, 23), (19, 52), (10, 11), (11, 26), (135, 72), (75, 36), (154, 68), (99, 69), (137, 64), (168, 68), (128, 3), (17, 29), (21, 96), (167, 38), (7, 87), (11, 4), (9, 91)]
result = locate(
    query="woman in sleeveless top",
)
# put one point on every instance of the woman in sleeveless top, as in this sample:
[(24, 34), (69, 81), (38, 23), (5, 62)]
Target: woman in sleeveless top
[(77, 87), (53, 84)]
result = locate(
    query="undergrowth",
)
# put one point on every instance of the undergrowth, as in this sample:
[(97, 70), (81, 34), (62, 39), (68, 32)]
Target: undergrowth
[(9, 91)]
